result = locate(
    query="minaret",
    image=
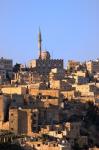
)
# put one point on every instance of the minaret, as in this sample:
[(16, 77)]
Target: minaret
[(40, 43)]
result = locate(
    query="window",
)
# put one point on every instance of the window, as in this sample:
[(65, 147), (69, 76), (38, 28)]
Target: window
[(11, 114), (59, 132), (14, 100), (34, 121), (38, 145)]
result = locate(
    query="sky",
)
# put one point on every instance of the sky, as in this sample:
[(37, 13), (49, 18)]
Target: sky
[(70, 29)]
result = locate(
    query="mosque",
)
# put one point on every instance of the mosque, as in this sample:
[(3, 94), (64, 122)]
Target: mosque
[(44, 63)]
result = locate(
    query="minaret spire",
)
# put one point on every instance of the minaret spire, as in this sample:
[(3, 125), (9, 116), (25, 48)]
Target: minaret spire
[(40, 43)]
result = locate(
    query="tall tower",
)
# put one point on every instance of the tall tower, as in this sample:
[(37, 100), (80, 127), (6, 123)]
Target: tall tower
[(40, 43)]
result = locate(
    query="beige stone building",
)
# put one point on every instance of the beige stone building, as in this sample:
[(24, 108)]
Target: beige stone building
[(61, 85), (80, 77), (69, 94), (26, 77), (49, 92), (56, 74), (40, 145), (4, 125), (86, 89), (44, 63), (23, 121), (72, 64), (14, 90), (81, 80), (4, 102), (93, 66), (80, 73), (94, 148), (50, 101), (18, 121)]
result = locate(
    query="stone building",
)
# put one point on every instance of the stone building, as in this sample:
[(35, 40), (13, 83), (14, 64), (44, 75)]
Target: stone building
[(44, 63), (71, 65), (23, 121), (49, 115), (49, 92), (81, 80), (93, 66), (4, 103), (14, 90), (56, 74), (61, 85), (6, 67), (87, 89), (26, 77), (18, 121), (49, 145)]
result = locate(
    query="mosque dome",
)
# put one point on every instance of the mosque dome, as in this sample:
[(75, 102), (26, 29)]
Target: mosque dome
[(45, 55)]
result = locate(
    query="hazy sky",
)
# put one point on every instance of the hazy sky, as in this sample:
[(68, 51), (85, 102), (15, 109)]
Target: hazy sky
[(70, 28)]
